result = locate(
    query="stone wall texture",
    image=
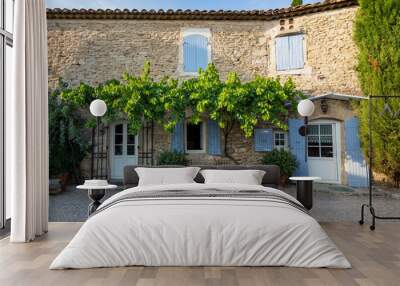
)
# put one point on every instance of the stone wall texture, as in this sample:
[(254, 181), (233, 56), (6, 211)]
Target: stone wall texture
[(94, 51)]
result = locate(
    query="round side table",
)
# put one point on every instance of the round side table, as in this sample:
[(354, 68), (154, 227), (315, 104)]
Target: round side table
[(95, 193), (304, 191)]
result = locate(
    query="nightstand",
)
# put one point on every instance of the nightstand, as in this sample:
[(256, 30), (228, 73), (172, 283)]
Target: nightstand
[(95, 193), (305, 190)]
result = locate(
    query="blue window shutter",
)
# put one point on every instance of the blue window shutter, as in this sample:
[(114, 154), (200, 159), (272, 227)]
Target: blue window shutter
[(356, 166), (297, 146), (213, 138), (263, 140), (296, 53), (195, 53), (177, 143), (282, 53)]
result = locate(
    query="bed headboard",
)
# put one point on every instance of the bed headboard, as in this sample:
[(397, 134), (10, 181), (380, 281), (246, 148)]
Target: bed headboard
[(271, 177)]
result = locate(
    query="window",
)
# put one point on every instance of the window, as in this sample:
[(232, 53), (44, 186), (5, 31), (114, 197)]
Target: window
[(9, 19), (263, 139), (289, 52), (118, 139), (280, 140), (130, 144), (124, 141), (320, 141), (196, 52), (195, 137), (6, 64)]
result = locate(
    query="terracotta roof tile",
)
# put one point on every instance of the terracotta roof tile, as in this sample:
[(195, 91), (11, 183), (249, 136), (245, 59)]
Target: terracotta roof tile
[(199, 14)]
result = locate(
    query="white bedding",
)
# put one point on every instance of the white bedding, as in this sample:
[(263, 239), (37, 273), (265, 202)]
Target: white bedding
[(202, 232)]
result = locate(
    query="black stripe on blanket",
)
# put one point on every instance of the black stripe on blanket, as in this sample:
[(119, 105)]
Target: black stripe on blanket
[(205, 194)]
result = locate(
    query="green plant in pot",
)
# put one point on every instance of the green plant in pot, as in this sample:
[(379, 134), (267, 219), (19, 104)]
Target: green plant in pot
[(172, 158), (67, 147), (284, 159)]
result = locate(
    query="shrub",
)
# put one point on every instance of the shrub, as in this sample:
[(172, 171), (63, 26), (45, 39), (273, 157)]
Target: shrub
[(172, 158), (296, 3), (284, 159), (377, 33), (67, 147)]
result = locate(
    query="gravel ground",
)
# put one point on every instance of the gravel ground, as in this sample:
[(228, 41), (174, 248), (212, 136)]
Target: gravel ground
[(332, 203)]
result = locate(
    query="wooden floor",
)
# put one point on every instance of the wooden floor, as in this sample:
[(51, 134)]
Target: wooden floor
[(375, 257)]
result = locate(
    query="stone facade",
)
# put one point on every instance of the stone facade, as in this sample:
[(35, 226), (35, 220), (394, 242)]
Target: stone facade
[(94, 51)]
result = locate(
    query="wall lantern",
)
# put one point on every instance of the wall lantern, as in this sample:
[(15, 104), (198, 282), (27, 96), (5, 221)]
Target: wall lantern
[(324, 106)]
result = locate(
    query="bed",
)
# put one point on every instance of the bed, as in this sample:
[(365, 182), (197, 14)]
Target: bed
[(196, 224)]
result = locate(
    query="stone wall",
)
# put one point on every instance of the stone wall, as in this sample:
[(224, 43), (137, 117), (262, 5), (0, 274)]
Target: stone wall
[(239, 147), (330, 52), (94, 51)]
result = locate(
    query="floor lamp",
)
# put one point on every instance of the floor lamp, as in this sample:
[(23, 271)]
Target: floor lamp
[(95, 187)]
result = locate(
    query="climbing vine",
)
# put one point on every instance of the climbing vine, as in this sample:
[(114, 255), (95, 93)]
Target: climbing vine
[(168, 101)]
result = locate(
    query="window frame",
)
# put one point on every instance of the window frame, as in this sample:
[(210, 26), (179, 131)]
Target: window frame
[(124, 144), (285, 140), (203, 138), (320, 147), (6, 40), (206, 32), (274, 64)]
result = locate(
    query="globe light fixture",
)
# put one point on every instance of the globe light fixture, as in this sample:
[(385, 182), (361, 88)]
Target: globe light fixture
[(98, 108), (306, 108)]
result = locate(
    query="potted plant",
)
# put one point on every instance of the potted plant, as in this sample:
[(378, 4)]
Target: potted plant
[(284, 159), (172, 158), (67, 148)]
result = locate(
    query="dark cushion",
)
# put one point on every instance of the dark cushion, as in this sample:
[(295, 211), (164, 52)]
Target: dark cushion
[(271, 177)]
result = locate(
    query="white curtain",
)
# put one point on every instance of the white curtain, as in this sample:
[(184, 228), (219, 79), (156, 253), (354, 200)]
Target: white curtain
[(26, 120)]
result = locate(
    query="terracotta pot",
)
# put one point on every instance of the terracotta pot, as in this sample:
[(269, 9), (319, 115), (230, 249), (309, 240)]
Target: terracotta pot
[(283, 180), (54, 186), (64, 179)]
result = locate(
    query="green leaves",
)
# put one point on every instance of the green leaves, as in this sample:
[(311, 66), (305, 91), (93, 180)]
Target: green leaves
[(296, 3), (284, 159), (261, 100), (172, 158), (168, 101), (67, 146), (377, 34)]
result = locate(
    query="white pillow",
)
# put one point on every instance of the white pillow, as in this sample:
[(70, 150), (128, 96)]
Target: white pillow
[(248, 177), (166, 176)]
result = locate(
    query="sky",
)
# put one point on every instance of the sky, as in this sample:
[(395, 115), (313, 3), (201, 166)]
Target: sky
[(172, 4)]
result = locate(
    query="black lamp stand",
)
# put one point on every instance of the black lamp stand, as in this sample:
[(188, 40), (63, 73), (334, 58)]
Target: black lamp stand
[(303, 131), (96, 194)]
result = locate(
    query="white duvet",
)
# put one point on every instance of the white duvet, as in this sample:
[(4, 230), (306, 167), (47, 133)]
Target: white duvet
[(202, 232)]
